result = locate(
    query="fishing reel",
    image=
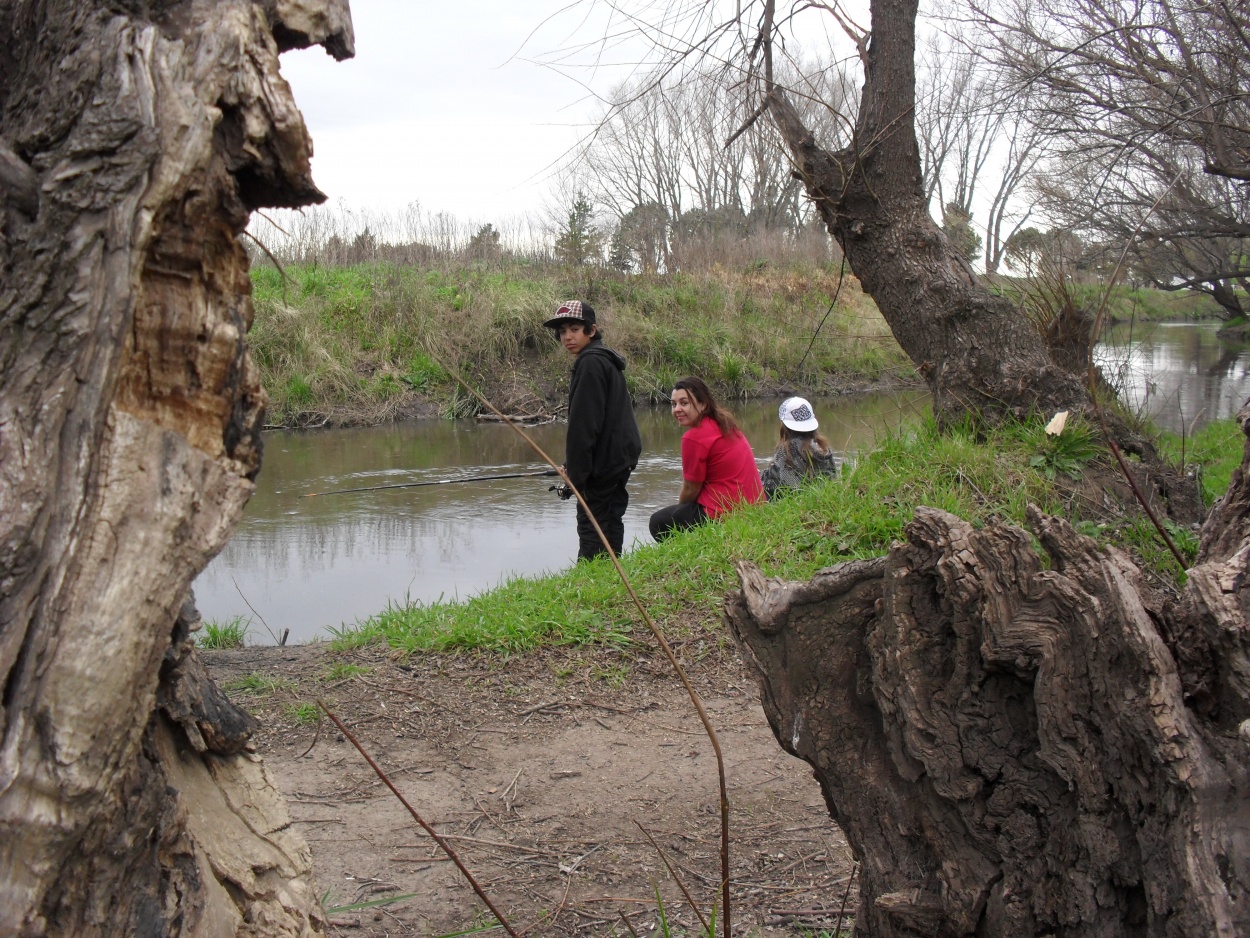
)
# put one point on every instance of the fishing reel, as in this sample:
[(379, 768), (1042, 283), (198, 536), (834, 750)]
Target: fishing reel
[(562, 490)]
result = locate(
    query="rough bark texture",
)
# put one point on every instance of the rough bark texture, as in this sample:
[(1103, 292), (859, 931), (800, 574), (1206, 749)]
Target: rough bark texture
[(136, 138), (977, 352), (1014, 750)]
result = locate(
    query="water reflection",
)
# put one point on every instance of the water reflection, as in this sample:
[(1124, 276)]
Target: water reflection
[(307, 563), (1180, 374)]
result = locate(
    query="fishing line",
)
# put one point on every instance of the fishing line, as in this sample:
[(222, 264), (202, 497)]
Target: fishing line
[(412, 485)]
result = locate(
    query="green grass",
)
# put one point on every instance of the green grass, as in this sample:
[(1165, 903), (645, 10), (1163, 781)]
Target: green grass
[(1145, 304), (362, 343), (303, 712), (257, 684), (1217, 448), (368, 904), (366, 343), (343, 671), (229, 634), (1124, 302), (682, 581), (856, 516)]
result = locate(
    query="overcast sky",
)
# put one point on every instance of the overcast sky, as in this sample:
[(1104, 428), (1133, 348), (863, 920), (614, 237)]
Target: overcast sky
[(437, 106)]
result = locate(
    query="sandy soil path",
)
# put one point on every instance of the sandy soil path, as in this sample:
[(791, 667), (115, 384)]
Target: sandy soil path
[(541, 770)]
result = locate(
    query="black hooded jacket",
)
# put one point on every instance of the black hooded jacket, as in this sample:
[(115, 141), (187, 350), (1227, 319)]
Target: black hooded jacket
[(603, 440)]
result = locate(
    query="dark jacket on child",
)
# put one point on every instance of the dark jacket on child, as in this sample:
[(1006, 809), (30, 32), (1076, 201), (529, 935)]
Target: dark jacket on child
[(603, 441)]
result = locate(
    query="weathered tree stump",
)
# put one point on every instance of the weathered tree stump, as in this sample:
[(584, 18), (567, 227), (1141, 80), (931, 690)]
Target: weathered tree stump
[(135, 139), (1018, 750)]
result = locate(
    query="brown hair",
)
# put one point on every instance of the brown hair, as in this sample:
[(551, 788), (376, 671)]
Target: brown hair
[(815, 436), (703, 397)]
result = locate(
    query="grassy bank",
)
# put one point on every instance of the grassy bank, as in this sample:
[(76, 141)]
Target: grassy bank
[(683, 580), (1143, 304), (1123, 303), (367, 343), (1216, 448), (363, 344)]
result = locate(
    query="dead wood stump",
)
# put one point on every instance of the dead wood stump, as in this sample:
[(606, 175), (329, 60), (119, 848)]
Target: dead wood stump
[(1014, 749), (135, 139)]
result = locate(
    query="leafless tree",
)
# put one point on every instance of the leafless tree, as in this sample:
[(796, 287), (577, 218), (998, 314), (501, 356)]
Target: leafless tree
[(860, 167), (660, 156), (1023, 148), (973, 137), (1147, 103)]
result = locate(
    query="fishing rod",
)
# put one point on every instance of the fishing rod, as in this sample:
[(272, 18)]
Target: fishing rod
[(411, 485)]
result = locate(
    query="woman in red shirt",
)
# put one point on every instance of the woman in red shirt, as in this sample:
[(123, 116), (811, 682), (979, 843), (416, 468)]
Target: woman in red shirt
[(717, 465)]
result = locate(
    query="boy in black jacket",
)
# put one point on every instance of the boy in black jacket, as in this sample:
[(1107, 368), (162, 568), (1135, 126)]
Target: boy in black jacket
[(602, 445)]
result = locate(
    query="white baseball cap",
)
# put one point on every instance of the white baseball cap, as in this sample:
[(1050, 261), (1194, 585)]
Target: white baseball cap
[(796, 413)]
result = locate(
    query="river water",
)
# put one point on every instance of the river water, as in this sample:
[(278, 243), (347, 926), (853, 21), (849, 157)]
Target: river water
[(1181, 374), (310, 564), (304, 563)]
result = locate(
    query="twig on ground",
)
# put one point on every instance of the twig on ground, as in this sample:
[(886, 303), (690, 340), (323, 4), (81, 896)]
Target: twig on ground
[(447, 849), (486, 814), (677, 879), (509, 794), (805, 913), (633, 712), (671, 729), (811, 856), (542, 706), (569, 871), (520, 848), (312, 745), (398, 690)]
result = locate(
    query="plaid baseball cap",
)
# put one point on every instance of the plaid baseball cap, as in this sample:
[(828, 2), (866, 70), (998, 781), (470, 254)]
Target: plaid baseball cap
[(796, 413), (572, 311)]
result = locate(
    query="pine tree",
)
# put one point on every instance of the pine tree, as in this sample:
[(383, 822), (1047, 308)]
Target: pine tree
[(579, 243)]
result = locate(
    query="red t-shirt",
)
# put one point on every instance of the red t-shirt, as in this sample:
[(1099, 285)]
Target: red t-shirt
[(724, 464)]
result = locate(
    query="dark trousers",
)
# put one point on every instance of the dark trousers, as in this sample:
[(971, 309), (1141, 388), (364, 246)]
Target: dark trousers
[(608, 500), (676, 518)]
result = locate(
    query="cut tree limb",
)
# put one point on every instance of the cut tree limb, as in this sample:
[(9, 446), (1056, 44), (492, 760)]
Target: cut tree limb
[(1014, 750), (130, 417)]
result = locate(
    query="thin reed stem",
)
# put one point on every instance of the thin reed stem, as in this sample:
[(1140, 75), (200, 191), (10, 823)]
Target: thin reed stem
[(707, 929), (447, 848), (695, 699), (1099, 317), (837, 931)]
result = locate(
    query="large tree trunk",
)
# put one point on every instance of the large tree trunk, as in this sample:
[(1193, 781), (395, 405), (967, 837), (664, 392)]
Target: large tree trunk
[(978, 353), (136, 138), (1015, 749)]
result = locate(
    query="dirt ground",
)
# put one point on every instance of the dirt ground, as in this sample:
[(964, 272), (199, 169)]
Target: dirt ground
[(542, 771)]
